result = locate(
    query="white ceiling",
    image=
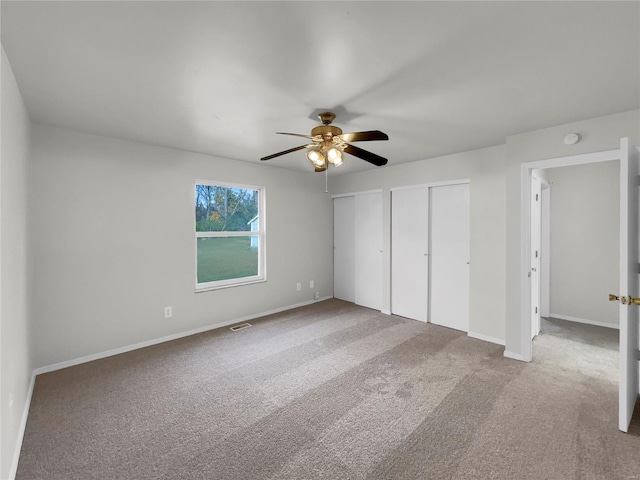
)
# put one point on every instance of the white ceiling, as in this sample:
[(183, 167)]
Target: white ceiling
[(222, 77)]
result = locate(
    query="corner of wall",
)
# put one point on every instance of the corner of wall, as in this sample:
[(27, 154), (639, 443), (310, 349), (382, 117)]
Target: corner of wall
[(16, 357)]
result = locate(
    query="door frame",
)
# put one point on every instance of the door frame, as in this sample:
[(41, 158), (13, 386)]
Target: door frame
[(526, 345)]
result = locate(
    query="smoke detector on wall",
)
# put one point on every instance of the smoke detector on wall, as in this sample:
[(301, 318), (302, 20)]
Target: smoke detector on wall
[(571, 139)]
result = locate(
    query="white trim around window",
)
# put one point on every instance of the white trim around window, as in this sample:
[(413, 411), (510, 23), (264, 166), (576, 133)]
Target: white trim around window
[(250, 243)]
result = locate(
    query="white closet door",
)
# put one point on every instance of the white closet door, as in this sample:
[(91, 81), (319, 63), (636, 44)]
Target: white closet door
[(343, 249), (450, 256), (368, 250), (409, 253)]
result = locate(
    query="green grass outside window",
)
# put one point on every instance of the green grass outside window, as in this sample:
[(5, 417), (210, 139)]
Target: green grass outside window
[(224, 258)]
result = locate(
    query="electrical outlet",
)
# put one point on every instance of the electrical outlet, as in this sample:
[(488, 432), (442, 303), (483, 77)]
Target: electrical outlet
[(311, 284), (298, 286), (168, 312), (317, 296)]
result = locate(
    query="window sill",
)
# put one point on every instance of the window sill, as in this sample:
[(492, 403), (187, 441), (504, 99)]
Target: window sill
[(220, 287)]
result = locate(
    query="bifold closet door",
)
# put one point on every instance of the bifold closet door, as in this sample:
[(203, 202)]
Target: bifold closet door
[(409, 253), (367, 223), (449, 256), (343, 249)]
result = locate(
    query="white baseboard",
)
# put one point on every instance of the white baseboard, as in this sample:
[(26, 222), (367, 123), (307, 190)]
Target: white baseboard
[(515, 356), (386, 312), (21, 429), (485, 338), (582, 320), (168, 338)]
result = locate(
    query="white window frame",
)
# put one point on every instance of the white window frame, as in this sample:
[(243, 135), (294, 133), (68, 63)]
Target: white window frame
[(260, 233)]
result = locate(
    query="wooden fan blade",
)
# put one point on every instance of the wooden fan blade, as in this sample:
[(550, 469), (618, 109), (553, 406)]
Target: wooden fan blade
[(364, 155), (320, 169), (364, 136), (294, 134), (284, 153)]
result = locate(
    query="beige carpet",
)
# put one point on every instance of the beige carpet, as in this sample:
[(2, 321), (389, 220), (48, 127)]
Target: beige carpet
[(328, 391)]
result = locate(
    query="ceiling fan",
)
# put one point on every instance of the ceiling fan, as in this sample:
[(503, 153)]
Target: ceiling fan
[(328, 143)]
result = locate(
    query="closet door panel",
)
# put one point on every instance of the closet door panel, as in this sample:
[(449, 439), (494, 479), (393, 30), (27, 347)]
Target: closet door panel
[(409, 253), (368, 250), (343, 249), (449, 254)]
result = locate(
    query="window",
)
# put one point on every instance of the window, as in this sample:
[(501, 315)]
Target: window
[(230, 236)]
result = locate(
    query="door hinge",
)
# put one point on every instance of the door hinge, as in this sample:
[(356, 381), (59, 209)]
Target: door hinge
[(536, 309), (536, 197), (536, 253)]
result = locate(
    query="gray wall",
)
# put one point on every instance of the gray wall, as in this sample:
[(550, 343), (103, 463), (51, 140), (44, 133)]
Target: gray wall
[(112, 229), (598, 134), (585, 241), (486, 171), (15, 352)]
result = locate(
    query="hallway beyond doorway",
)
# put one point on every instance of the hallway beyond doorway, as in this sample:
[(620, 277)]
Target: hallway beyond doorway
[(587, 350)]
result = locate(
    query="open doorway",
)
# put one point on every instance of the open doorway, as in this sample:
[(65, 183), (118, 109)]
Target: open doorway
[(575, 240), (527, 170), (628, 156)]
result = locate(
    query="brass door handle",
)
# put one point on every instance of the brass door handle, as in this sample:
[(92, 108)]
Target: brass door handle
[(635, 301), (624, 300)]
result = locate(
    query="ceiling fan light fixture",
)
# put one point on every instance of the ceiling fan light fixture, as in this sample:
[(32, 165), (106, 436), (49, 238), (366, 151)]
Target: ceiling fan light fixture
[(315, 158), (328, 144), (335, 156)]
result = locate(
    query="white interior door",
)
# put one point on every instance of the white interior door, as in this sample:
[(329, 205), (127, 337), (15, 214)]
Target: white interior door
[(536, 213), (409, 253), (343, 249), (449, 256), (629, 341), (368, 250)]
